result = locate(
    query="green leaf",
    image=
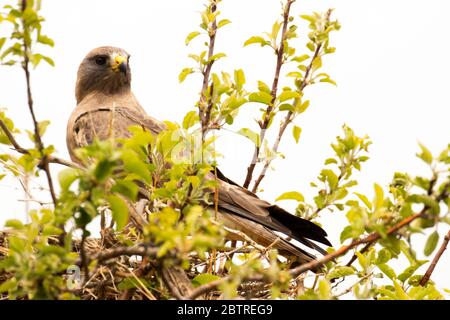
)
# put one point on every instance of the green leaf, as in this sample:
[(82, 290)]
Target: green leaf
[(387, 270), (275, 30), (2, 42), (14, 223), (191, 36), (217, 56), (66, 177), (339, 272), (330, 161), (296, 131), (286, 107), (133, 164), (428, 201), (384, 255), (291, 195), (311, 19), (190, 119), (324, 289), (407, 273), (9, 284), (317, 63), (251, 135), (43, 125), (288, 94), (263, 87), (239, 78), (330, 177), (328, 80), (204, 278), (261, 97), (301, 107), (119, 211), (45, 40), (362, 260), (311, 46), (184, 73), (222, 23), (301, 58), (347, 233), (49, 60), (401, 294), (364, 199), (379, 196), (126, 188), (103, 170), (256, 39), (431, 243), (425, 155)]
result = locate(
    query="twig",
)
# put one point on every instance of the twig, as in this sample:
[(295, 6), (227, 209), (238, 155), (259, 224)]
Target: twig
[(290, 115), (435, 261), (265, 122), (206, 288), (25, 66), (353, 285), (109, 254), (20, 149), (354, 257), (205, 113)]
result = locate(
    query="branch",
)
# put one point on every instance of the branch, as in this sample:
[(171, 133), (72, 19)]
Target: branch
[(429, 192), (435, 261), (109, 254), (25, 65), (290, 115), (205, 114), (206, 288), (344, 249), (22, 150), (315, 264), (264, 124)]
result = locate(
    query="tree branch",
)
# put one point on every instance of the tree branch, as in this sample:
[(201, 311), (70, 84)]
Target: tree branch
[(109, 254), (205, 107), (290, 115), (315, 264), (264, 124), (22, 150), (435, 261), (25, 66)]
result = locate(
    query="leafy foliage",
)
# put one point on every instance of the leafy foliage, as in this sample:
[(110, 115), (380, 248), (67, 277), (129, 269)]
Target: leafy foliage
[(160, 191)]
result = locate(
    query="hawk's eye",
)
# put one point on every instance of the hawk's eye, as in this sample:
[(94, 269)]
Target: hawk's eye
[(101, 61)]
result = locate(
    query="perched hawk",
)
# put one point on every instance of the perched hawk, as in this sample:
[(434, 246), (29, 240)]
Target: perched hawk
[(103, 86)]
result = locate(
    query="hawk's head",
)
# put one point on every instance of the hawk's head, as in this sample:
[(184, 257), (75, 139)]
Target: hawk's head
[(105, 70)]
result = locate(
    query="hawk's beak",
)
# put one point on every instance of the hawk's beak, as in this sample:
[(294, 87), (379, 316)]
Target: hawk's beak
[(119, 64)]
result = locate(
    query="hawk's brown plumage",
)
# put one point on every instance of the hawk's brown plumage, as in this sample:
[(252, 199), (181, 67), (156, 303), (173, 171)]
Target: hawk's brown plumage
[(103, 89)]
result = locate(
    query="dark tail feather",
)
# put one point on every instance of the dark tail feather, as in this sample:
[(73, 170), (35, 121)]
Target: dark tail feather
[(300, 228)]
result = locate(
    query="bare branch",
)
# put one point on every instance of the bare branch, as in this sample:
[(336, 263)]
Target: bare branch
[(109, 254), (435, 261)]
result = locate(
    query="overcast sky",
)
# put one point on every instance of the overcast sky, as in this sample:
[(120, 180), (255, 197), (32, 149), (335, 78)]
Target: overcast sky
[(391, 66)]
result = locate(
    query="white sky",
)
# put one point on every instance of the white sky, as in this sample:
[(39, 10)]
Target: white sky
[(391, 66)]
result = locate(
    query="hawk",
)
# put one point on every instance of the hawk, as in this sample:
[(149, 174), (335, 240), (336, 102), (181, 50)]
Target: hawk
[(103, 87)]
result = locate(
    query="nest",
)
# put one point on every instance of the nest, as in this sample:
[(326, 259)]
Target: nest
[(128, 277)]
